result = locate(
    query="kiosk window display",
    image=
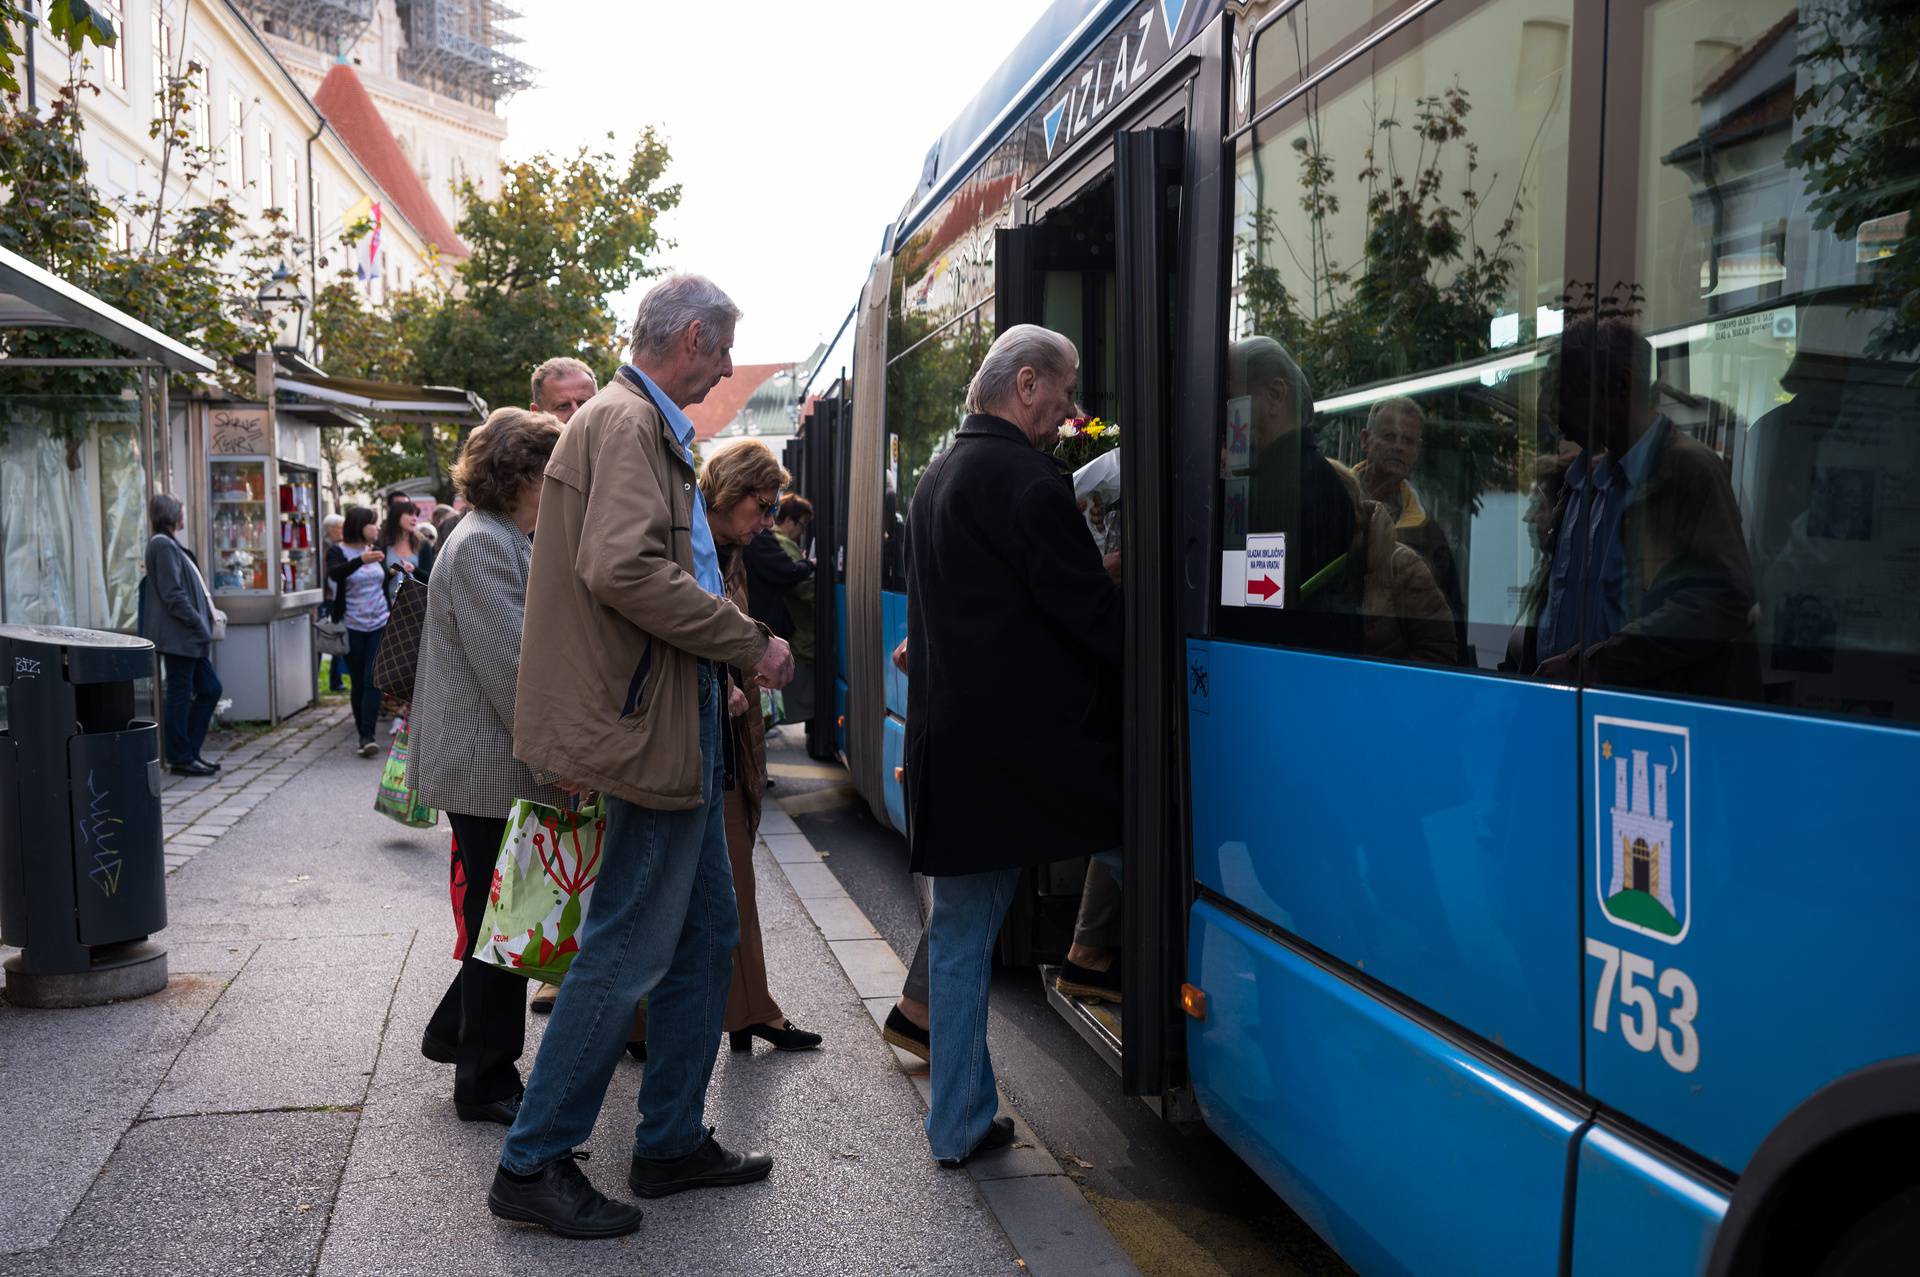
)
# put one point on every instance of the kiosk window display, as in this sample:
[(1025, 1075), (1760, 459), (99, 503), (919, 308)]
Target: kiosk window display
[(263, 514)]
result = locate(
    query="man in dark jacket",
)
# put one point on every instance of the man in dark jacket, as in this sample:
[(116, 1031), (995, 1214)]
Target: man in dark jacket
[(1014, 637)]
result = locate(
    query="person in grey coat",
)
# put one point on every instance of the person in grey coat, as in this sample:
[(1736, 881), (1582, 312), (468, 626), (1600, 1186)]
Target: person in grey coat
[(178, 618), (461, 733)]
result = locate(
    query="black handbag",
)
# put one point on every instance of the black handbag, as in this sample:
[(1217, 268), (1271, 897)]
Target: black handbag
[(399, 655)]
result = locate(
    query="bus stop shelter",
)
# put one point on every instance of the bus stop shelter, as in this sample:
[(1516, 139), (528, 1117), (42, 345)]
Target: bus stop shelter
[(82, 448)]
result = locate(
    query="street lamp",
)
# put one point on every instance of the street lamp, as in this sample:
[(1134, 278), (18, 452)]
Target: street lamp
[(282, 289)]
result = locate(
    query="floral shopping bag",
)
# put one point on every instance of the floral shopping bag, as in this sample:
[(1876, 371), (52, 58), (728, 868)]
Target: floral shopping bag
[(542, 881), (396, 798)]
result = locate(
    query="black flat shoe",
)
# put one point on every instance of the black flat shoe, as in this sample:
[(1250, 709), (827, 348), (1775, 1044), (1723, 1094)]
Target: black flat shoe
[(501, 1111), (193, 767), (638, 1050), (1076, 981), (708, 1166), (561, 1200), (784, 1038), (438, 1050), (542, 1003), (207, 762), (904, 1033), (998, 1136)]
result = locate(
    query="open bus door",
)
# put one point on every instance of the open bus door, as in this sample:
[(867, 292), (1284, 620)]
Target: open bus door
[(822, 443)]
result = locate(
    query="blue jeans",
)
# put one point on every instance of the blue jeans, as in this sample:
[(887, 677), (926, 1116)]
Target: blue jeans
[(967, 912), (192, 690), (362, 647), (662, 926)]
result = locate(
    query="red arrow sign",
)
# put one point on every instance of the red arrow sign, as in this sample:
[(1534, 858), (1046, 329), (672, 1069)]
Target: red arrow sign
[(1264, 587)]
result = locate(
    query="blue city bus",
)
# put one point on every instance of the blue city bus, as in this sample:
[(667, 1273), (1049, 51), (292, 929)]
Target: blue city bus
[(1520, 465)]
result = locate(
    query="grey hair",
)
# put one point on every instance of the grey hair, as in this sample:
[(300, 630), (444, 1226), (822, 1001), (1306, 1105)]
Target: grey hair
[(1396, 406), (674, 305), (554, 367), (334, 520), (164, 512), (1021, 346)]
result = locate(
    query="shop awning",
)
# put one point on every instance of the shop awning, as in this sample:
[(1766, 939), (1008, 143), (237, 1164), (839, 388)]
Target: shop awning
[(388, 399), (33, 297)]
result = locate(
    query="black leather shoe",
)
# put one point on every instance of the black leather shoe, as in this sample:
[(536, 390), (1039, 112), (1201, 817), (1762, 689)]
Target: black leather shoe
[(501, 1111), (638, 1050), (542, 1003), (439, 1050), (1076, 981), (207, 762), (708, 1166), (193, 767), (998, 1136), (904, 1033), (783, 1036), (562, 1200)]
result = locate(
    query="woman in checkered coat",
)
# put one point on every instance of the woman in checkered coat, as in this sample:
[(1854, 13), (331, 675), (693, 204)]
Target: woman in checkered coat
[(461, 732)]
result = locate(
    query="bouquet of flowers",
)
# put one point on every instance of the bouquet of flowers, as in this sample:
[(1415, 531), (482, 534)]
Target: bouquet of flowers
[(1081, 439)]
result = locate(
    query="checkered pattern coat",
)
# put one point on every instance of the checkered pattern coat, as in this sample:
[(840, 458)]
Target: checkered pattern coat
[(460, 733)]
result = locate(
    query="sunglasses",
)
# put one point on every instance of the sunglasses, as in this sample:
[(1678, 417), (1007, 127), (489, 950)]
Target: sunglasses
[(768, 507)]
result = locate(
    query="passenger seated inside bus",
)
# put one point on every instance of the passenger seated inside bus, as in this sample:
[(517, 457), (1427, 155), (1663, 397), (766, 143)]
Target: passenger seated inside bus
[(1669, 602), (1350, 580)]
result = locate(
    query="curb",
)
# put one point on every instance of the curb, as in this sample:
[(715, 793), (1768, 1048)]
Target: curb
[(1053, 1228)]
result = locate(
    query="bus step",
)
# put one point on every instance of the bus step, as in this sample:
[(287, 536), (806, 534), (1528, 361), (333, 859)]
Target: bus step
[(1097, 1022)]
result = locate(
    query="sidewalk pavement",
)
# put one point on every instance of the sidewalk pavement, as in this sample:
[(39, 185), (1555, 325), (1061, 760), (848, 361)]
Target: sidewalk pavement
[(270, 1112)]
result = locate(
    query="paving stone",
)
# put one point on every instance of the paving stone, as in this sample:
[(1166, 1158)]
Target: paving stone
[(791, 848), (871, 965), (839, 918), (187, 839), (1057, 1232), (236, 1193), (813, 880)]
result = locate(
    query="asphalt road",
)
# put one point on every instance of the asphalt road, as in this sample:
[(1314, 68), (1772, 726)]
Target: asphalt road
[(1179, 1203)]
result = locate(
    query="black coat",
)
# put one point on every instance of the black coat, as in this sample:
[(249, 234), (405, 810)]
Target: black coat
[(770, 572), (1014, 637)]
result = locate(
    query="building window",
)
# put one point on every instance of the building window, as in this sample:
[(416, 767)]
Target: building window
[(236, 139), (113, 59), (295, 198), (162, 59), (269, 198)]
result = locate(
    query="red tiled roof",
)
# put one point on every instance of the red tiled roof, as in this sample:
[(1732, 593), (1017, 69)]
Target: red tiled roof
[(723, 403), (354, 116)]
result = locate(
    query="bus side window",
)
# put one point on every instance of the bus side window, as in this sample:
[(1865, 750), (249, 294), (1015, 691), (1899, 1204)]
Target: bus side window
[(1398, 242), (1772, 545)]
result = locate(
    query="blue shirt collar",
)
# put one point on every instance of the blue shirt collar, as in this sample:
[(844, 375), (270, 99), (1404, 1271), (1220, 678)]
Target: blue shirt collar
[(1634, 463), (681, 424)]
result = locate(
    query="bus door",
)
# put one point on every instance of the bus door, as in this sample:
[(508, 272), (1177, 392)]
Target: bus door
[(821, 444)]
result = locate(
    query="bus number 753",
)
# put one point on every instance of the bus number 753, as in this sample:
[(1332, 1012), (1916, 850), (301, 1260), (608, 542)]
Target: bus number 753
[(1639, 1018)]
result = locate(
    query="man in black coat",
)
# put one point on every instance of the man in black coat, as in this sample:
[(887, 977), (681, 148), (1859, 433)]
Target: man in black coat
[(1014, 637)]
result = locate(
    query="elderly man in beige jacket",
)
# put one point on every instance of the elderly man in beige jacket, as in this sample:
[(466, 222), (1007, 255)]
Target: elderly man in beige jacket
[(622, 683)]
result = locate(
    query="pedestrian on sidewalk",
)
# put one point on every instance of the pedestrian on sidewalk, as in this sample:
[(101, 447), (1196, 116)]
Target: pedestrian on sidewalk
[(741, 487), (179, 621), (360, 600), (333, 528), (1008, 605), (463, 764), (622, 688)]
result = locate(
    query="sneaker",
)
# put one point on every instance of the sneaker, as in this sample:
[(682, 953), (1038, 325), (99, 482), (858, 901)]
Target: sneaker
[(562, 1200), (368, 749), (904, 1033), (708, 1166)]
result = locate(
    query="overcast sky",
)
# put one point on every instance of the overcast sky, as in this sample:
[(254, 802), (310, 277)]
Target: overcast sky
[(797, 130)]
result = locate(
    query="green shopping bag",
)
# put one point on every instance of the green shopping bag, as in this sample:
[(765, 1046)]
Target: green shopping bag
[(396, 798), (542, 881)]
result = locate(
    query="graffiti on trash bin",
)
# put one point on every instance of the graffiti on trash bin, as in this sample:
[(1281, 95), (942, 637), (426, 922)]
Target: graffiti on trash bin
[(98, 829)]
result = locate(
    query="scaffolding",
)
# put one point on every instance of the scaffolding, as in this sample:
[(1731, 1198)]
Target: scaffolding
[(332, 26), (454, 49)]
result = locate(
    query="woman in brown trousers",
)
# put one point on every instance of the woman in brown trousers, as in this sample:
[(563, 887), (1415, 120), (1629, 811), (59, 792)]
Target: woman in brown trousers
[(741, 486)]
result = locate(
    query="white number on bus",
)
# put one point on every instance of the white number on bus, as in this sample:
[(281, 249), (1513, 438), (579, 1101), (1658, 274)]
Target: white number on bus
[(1639, 1015)]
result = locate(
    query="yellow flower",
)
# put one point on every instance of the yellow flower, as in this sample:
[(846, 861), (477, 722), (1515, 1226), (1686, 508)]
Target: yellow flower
[(1096, 428)]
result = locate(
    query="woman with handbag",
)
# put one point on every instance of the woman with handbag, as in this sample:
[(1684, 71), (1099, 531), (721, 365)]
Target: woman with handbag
[(462, 760), (183, 624), (360, 600), (741, 487)]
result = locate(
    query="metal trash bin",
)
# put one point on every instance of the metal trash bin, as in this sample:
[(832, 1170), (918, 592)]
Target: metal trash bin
[(82, 876)]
